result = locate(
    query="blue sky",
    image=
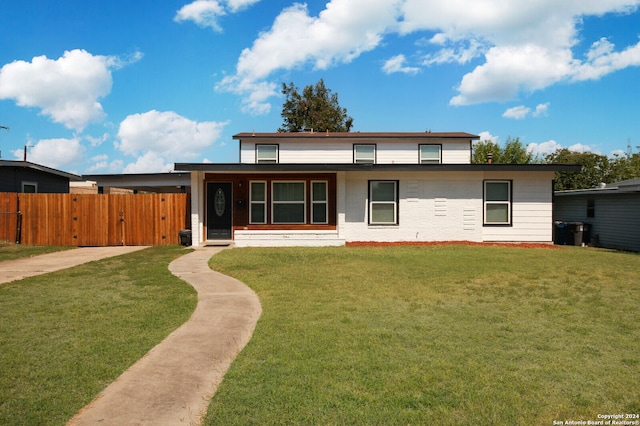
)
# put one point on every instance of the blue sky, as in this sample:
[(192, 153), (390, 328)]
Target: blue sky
[(134, 86)]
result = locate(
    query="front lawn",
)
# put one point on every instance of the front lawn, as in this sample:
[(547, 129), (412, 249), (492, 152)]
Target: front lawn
[(66, 335), (434, 335), (10, 251)]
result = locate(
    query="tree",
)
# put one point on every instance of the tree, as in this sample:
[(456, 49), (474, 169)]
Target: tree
[(315, 108), (624, 167), (512, 153), (596, 168)]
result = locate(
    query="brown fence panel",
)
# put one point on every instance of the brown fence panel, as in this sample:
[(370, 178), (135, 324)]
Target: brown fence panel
[(103, 219), (47, 219), (90, 220), (9, 217)]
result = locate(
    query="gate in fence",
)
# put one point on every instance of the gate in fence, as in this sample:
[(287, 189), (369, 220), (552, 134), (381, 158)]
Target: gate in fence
[(93, 219)]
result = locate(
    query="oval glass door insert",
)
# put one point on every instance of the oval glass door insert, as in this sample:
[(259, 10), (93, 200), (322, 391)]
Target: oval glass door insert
[(219, 202)]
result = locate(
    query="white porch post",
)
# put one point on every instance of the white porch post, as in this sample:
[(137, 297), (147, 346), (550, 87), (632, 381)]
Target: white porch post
[(197, 208), (341, 203)]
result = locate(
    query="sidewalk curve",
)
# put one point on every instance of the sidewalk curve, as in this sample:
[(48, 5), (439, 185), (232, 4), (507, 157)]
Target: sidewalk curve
[(12, 270), (175, 381)]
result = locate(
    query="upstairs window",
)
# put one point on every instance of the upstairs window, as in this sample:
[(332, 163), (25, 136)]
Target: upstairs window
[(266, 153), (430, 154), (365, 154), (497, 202)]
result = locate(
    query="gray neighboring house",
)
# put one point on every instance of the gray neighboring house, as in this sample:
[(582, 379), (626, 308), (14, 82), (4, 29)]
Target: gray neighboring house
[(174, 182), (24, 176), (612, 211)]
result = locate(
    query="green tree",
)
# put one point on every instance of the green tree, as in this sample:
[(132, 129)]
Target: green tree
[(596, 168), (624, 167), (315, 108), (514, 152)]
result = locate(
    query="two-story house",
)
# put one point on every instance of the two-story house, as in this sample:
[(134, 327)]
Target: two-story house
[(334, 188)]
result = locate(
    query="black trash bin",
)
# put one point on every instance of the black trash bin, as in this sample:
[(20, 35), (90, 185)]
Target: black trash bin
[(559, 233), (575, 234), (185, 237)]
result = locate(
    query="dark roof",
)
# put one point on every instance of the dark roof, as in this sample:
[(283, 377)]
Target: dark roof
[(622, 187), (149, 182), (351, 167), (357, 135), (39, 167)]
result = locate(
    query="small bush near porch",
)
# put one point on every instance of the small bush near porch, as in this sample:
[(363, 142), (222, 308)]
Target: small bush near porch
[(434, 335)]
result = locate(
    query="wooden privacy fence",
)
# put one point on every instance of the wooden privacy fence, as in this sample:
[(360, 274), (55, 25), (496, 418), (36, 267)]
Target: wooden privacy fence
[(95, 219)]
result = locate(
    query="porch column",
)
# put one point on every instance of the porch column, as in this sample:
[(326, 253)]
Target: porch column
[(197, 208), (341, 203)]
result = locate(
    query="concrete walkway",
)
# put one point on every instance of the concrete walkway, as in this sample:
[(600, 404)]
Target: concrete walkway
[(175, 381), (12, 270)]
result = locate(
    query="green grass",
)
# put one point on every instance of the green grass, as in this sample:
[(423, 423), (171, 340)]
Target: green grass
[(15, 251), (66, 335), (434, 335)]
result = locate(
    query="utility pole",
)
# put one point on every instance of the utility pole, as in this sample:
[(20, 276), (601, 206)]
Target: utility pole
[(7, 129)]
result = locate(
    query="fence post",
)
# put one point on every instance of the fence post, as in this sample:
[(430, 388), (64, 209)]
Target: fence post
[(18, 227)]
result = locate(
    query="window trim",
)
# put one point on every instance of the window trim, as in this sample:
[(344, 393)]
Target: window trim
[(508, 203), (367, 161), (267, 161), (252, 202), (313, 202), (421, 160), (395, 203), (591, 208), (303, 202), (26, 183)]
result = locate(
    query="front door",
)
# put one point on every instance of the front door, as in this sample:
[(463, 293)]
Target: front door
[(219, 210)]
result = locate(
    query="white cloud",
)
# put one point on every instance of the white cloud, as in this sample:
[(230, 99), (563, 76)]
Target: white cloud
[(578, 147), (204, 13), (517, 113), (340, 33), (150, 162), (486, 136), (165, 137), (55, 153), (97, 141), (463, 51), (541, 109), (603, 60), (543, 148), (66, 89), (521, 112), (237, 5), (397, 64), (524, 47)]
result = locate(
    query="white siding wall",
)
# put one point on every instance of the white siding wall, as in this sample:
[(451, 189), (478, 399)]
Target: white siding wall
[(532, 209), (448, 206), (433, 207), (404, 152)]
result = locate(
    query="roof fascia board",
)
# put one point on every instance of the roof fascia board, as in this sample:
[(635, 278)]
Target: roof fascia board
[(350, 167)]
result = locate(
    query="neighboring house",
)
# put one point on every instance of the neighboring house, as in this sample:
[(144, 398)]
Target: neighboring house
[(334, 188), (24, 176), (138, 183), (612, 212)]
